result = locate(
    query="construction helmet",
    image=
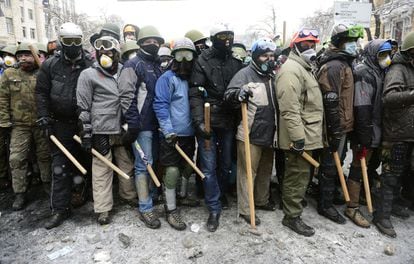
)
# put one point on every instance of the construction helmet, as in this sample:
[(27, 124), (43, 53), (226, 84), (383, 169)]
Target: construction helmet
[(261, 46), (183, 44), (164, 51), (220, 28), (195, 35), (408, 42), (149, 32), (110, 29), (304, 35), (41, 47), (9, 49), (70, 30), (342, 32), (128, 46)]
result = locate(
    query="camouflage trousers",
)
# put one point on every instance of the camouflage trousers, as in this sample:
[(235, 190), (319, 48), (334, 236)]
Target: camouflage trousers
[(4, 164), (395, 161), (21, 139)]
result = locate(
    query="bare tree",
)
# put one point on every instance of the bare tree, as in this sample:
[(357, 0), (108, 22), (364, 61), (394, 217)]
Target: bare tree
[(323, 21)]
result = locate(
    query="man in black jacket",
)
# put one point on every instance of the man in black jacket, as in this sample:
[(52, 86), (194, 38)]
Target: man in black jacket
[(211, 74), (56, 110)]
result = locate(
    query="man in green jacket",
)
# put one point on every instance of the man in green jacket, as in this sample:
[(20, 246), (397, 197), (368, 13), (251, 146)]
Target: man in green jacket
[(300, 127)]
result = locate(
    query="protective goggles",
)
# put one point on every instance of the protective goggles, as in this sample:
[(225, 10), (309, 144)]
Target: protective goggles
[(308, 32), (264, 44), (355, 32), (224, 36), (71, 41), (183, 54), (106, 44)]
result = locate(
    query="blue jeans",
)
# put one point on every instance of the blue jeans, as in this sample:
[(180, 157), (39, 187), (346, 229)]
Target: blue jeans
[(208, 163), (224, 138), (142, 178)]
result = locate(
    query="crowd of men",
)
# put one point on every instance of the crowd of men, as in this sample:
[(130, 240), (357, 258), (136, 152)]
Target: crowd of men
[(141, 103)]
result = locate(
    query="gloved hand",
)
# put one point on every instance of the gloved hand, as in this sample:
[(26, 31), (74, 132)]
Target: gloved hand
[(244, 95), (201, 131), (361, 152), (334, 142), (130, 136), (171, 139), (45, 124), (298, 146), (86, 138)]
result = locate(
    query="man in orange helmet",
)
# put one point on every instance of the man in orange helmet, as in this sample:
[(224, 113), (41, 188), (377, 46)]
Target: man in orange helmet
[(300, 127)]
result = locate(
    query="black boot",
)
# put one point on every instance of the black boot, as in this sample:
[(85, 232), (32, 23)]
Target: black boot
[(297, 225), (213, 222), (400, 211), (384, 226), (19, 202), (224, 202), (57, 219), (332, 214)]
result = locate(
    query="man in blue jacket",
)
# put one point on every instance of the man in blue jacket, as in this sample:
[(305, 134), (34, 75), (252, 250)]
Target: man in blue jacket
[(137, 85), (172, 108)]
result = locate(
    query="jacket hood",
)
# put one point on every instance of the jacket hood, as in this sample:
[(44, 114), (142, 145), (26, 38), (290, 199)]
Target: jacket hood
[(333, 53), (400, 58), (371, 52)]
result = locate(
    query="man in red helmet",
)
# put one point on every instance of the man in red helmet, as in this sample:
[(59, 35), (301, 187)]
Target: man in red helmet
[(300, 124)]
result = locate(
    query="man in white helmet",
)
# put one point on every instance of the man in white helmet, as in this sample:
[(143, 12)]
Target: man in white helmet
[(172, 108), (212, 72), (57, 115)]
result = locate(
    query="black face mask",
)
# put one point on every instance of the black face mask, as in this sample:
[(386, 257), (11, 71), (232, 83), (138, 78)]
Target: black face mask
[(182, 69), (221, 45), (151, 49), (72, 52)]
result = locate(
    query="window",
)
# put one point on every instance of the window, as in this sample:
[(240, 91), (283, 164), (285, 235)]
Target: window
[(30, 11), (7, 3), (22, 13), (32, 33), (24, 32), (9, 25)]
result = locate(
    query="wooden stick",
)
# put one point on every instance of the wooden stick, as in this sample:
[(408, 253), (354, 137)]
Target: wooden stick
[(68, 155), (104, 160), (147, 164), (248, 164), (309, 159), (192, 164), (34, 54), (207, 123), (366, 184), (341, 176)]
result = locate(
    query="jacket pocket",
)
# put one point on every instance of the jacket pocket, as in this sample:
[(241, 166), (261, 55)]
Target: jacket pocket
[(313, 129), (105, 120), (262, 130)]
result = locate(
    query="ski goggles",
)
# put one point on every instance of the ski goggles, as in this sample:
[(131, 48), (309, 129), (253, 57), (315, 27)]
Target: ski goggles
[(308, 32), (106, 43), (71, 41), (224, 36), (264, 44), (183, 54), (355, 32)]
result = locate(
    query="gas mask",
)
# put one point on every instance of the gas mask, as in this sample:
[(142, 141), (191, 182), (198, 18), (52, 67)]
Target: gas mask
[(308, 55), (385, 62), (105, 61), (9, 61), (267, 66)]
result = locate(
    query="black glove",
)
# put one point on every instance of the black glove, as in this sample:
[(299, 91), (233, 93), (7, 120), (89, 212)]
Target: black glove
[(298, 146), (244, 95), (171, 139), (130, 136), (86, 138), (45, 124), (334, 142), (201, 131)]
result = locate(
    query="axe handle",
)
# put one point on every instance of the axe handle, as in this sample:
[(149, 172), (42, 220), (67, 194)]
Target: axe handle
[(104, 160), (207, 122), (366, 184), (341, 176), (189, 161), (68, 154), (309, 159)]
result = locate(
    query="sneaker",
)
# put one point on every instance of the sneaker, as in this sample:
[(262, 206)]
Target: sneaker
[(247, 219), (400, 211), (356, 216), (385, 227), (269, 206), (149, 219), (175, 220), (297, 225), (57, 219), (19, 202), (213, 222), (103, 218), (332, 214)]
